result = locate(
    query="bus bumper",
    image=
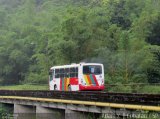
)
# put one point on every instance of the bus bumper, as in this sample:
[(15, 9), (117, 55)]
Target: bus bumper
[(82, 87)]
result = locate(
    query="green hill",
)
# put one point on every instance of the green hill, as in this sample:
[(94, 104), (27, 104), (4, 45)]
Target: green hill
[(124, 35)]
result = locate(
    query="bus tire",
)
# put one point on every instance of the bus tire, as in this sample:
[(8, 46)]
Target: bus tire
[(69, 88), (55, 87)]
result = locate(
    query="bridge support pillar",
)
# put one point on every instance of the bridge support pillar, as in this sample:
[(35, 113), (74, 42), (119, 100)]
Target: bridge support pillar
[(49, 113), (70, 114), (108, 113), (24, 111)]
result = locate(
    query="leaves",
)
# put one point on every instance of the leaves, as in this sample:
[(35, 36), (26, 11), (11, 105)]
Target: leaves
[(121, 34)]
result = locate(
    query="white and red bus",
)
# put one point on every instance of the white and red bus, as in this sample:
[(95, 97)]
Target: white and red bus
[(77, 77)]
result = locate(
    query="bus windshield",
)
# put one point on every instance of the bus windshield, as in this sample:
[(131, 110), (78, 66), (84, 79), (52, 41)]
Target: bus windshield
[(92, 69)]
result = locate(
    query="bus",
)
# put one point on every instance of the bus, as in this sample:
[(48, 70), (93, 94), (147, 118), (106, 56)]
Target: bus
[(77, 77)]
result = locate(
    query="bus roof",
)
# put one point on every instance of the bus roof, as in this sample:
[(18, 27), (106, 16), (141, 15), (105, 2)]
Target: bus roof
[(74, 65)]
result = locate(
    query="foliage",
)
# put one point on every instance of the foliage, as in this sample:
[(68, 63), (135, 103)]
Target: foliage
[(124, 35)]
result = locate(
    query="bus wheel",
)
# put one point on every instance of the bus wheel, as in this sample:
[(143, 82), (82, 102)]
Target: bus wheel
[(55, 87), (69, 88)]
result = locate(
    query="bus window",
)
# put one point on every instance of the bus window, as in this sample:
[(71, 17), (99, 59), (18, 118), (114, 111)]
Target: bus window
[(92, 69), (72, 69), (77, 69), (72, 72), (67, 72), (56, 73), (76, 74), (62, 75), (72, 75), (86, 70), (61, 71)]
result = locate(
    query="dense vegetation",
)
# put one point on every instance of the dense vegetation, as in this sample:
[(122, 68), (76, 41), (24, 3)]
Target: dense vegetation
[(124, 35)]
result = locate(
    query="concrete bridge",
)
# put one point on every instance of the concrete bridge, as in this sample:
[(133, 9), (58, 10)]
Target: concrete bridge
[(43, 108)]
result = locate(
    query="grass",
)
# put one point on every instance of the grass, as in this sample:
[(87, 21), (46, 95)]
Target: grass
[(25, 87), (152, 89)]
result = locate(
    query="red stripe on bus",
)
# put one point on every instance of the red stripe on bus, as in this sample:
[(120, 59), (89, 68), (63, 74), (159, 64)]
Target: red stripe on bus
[(61, 84), (73, 81), (95, 79)]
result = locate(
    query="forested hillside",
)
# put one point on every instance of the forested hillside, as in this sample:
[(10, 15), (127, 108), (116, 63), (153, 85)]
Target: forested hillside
[(124, 35)]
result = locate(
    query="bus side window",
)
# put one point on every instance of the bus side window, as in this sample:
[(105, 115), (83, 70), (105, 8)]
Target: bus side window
[(77, 69), (67, 72), (62, 73), (76, 73), (72, 75), (56, 73), (72, 70)]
